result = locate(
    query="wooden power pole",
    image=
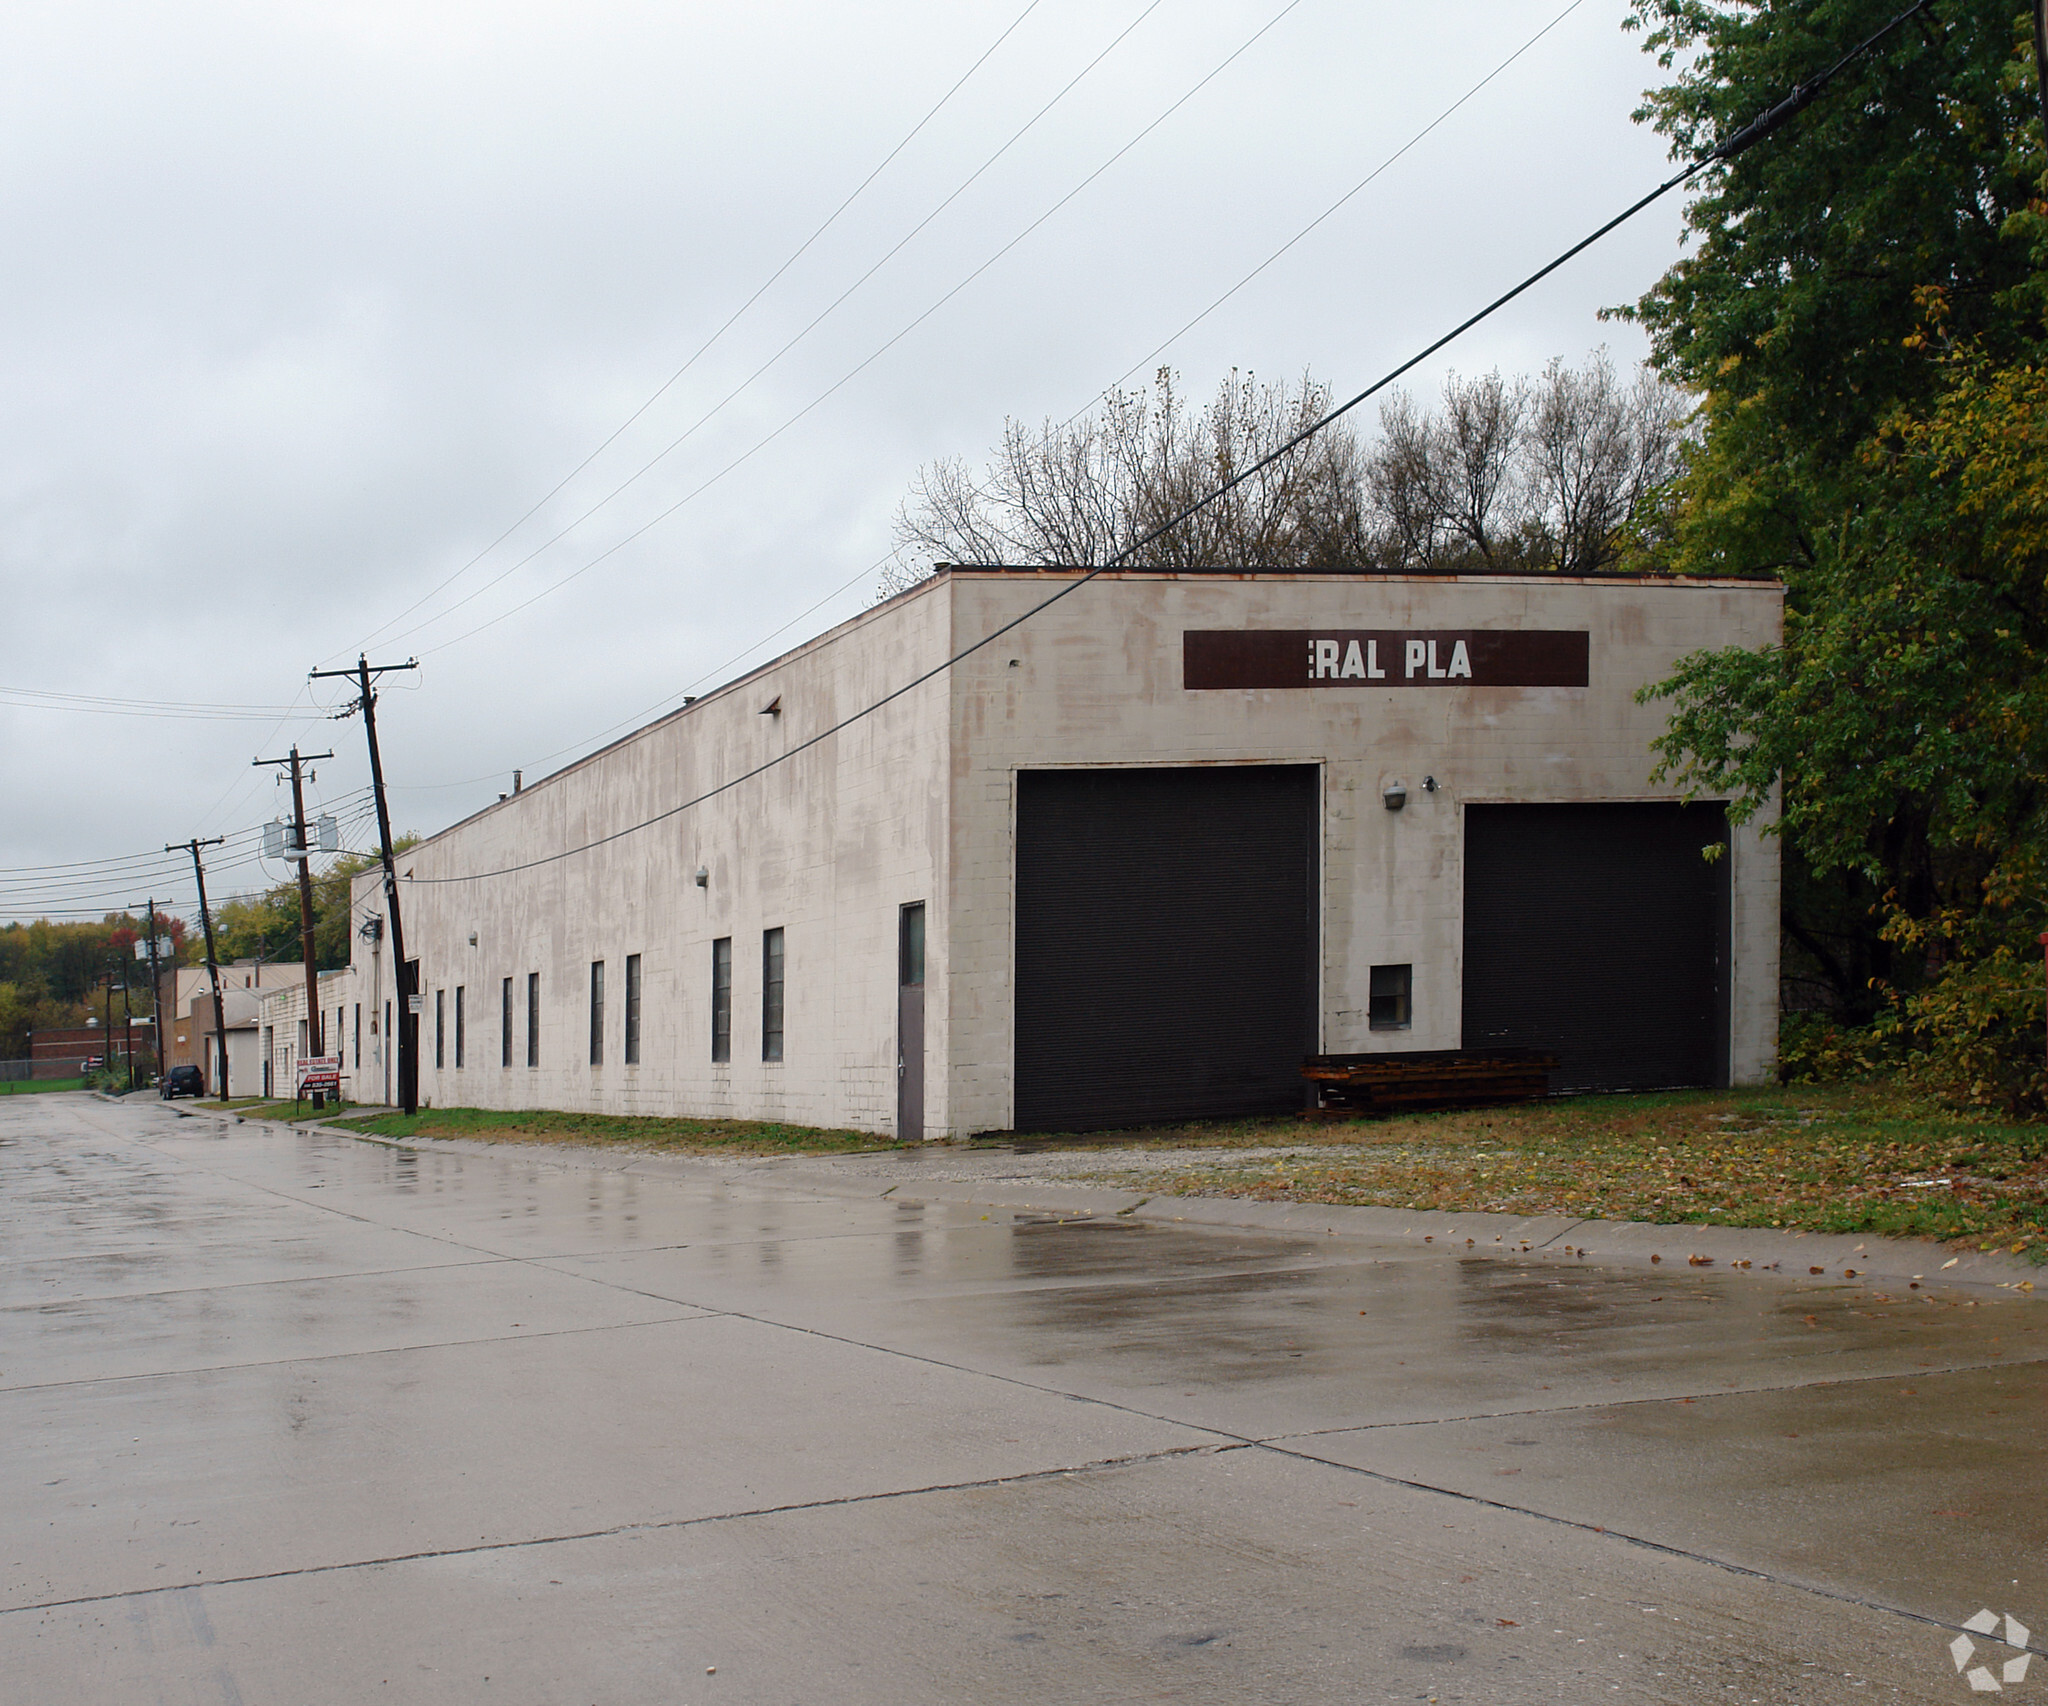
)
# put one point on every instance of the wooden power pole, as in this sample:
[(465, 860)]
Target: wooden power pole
[(408, 1021), (303, 852), (220, 1023)]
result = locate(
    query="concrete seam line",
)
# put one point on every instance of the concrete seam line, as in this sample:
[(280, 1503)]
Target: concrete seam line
[(697, 1313), (958, 1368), (703, 1313), (1670, 1398), (249, 1285), (1669, 1551), (1022, 1478)]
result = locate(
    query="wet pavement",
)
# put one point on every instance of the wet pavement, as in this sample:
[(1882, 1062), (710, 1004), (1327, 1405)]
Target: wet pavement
[(296, 1418)]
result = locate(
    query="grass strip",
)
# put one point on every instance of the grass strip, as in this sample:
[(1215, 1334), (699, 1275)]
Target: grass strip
[(269, 1108), (627, 1131), (38, 1086), (1862, 1159)]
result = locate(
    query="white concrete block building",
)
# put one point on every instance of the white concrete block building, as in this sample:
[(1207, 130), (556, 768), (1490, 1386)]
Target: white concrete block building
[(347, 1028), (1131, 859)]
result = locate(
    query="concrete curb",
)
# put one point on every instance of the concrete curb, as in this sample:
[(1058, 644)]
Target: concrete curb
[(1817, 1258)]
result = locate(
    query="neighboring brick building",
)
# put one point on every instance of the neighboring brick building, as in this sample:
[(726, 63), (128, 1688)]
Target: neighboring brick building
[(62, 1053)]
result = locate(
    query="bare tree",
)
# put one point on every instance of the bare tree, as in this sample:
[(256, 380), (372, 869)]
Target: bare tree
[(1515, 475), (1081, 493), (1594, 450), (1445, 489), (1507, 474)]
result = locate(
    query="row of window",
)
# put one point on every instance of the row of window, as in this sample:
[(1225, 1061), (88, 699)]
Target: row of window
[(721, 1010)]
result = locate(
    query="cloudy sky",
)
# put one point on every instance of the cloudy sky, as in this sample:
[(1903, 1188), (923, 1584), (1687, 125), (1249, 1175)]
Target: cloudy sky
[(313, 317)]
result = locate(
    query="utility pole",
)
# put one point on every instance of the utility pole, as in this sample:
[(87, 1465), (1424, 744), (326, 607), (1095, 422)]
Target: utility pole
[(408, 1020), (304, 855), (220, 1023), (156, 992)]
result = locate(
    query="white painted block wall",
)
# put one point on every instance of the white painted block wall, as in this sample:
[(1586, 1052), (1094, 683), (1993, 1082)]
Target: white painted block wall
[(917, 802)]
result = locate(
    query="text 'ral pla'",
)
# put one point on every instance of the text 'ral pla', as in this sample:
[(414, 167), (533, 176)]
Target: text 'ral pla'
[(1393, 657)]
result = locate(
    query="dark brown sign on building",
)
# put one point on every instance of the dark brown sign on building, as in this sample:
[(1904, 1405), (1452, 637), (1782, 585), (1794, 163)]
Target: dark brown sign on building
[(1384, 657)]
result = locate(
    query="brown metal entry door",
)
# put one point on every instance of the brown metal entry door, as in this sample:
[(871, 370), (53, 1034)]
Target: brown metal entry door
[(910, 1024)]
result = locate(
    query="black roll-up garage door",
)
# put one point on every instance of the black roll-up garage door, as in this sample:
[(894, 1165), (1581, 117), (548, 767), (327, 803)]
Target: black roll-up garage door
[(1600, 933), (1166, 930)]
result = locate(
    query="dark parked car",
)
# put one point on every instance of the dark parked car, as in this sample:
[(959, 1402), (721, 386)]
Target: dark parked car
[(181, 1081)]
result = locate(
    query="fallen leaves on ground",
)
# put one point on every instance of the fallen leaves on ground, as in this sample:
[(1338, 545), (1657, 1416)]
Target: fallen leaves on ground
[(1856, 1159)]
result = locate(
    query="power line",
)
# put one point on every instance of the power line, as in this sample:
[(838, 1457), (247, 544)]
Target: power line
[(1340, 202), (661, 705), (45, 699), (733, 319), (1800, 97), (833, 389), (668, 700), (118, 874), (118, 859)]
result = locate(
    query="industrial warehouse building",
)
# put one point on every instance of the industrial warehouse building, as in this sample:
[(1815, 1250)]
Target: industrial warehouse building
[(1130, 860)]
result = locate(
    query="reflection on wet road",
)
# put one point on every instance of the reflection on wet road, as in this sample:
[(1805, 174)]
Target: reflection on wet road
[(298, 1418)]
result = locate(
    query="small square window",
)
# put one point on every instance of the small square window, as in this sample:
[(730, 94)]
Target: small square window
[(1388, 1006)]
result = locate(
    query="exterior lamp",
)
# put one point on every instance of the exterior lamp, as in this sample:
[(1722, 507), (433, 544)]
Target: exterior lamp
[(703, 878), (1395, 795)]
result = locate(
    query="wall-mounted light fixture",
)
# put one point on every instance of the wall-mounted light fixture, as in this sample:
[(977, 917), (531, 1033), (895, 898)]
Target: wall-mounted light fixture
[(773, 708), (472, 938), (1429, 784), (703, 878), (1394, 795)]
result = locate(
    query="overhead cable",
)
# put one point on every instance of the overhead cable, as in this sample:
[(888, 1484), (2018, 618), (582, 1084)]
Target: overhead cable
[(1335, 206), (822, 397), (1750, 134), (667, 701), (737, 314), (44, 699)]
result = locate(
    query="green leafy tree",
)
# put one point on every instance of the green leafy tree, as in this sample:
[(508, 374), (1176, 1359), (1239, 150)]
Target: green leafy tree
[(267, 926), (66, 961), (24, 1011), (1863, 320)]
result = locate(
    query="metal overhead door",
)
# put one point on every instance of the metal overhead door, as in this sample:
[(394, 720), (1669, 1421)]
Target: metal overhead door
[(1166, 932), (1599, 933)]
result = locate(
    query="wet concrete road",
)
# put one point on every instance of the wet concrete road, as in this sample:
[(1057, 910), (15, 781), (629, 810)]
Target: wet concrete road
[(299, 1419)]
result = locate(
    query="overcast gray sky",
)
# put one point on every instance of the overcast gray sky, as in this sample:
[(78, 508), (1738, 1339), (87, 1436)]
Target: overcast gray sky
[(306, 306)]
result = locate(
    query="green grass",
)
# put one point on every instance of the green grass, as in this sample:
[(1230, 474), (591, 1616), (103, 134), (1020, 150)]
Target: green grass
[(39, 1086), (488, 1125), (262, 1108), (1862, 1159)]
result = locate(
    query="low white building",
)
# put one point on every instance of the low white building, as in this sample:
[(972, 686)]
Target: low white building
[(243, 986), (1131, 858), (285, 1036)]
